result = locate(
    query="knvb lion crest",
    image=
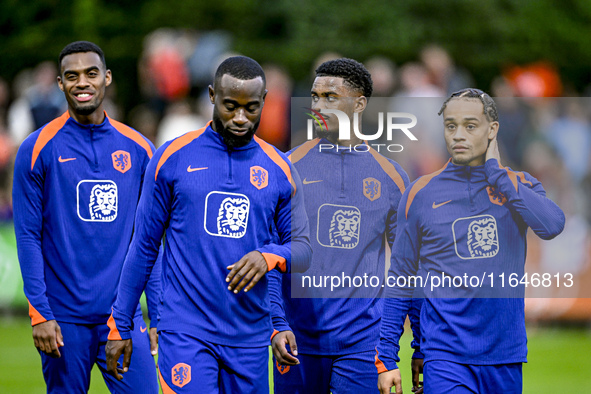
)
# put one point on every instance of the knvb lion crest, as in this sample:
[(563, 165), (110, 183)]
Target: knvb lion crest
[(181, 374), (121, 161), (482, 238), (495, 196), (344, 229), (283, 369), (103, 202), (259, 177), (372, 188)]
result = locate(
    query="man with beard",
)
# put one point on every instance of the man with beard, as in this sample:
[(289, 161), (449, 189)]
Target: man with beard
[(351, 198), (216, 192), (77, 181), (468, 219)]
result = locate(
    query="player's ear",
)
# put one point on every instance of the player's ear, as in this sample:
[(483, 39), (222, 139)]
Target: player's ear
[(211, 94), (493, 130), (60, 83), (360, 103), (108, 77)]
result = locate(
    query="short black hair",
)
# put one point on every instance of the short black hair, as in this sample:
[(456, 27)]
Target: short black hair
[(241, 67), (81, 46), (354, 73), (490, 107)]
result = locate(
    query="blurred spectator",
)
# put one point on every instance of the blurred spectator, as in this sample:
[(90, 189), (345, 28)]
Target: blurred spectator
[(570, 135), (514, 120), (205, 58), (144, 120), (383, 75), (539, 79), (39, 100), (178, 120), (442, 70), (274, 127)]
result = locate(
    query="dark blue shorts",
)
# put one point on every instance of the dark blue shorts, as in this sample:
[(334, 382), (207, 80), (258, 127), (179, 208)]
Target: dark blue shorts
[(189, 365), (84, 346), (449, 377), (349, 373)]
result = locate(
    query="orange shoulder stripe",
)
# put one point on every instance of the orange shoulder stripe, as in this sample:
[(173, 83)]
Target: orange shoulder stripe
[(421, 183), (521, 176), (177, 144), (114, 333), (46, 134), (132, 135), (303, 150), (273, 155), (380, 364), (512, 175), (36, 317), (165, 388), (388, 169)]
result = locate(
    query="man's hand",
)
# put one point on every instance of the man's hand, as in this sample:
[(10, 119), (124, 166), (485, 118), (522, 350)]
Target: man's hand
[(416, 367), (280, 350), (389, 379), (114, 350), (154, 341), (47, 337), (250, 268), (493, 150)]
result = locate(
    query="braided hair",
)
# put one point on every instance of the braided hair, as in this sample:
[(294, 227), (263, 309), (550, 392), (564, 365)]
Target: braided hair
[(490, 108)]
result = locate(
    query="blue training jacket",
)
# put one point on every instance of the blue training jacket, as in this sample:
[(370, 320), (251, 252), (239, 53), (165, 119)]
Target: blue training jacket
[(76, 188), (216, 204), (467, 222), (351, 199)]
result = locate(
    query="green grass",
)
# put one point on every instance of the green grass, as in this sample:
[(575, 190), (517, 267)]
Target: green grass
[(559, 361)]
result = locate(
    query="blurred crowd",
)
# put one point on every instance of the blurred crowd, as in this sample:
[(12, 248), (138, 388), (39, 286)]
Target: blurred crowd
[(545, 127)]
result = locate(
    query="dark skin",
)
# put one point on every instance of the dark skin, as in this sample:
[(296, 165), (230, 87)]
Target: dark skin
[(416, 367), (238, 105), (471, 140), (83, 79)]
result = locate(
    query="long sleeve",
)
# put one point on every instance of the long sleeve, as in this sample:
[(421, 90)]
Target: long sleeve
[(276, 301), (292, 252), (151, 220), (526, 197), (154, 289), (397, 305), (27, 197)]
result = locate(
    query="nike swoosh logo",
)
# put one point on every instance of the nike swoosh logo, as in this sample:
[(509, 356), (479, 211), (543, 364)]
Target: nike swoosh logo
[(435, 206), (65, 160), (143, 329), (189, 169), (307, 182)]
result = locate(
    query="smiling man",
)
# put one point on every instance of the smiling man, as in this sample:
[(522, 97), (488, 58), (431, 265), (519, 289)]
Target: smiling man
[(216, 192), (77, 181), (465, 220)]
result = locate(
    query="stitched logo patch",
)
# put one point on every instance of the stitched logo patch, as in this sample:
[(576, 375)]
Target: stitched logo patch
[(476, 237), (97, 200), (259, 177), (181, 374), (226, 214), (372, 188), (121, 161)]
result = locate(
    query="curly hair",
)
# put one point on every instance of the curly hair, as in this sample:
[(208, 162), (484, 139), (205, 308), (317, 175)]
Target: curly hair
[(354, 73), (490, 108)]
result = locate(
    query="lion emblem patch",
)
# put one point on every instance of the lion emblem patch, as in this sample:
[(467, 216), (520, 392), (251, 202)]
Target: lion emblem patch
[(495, 196), (181, 374), (259, 177), (97, 200), (226, 214), (372, 188), (476, 237), (121, 161)]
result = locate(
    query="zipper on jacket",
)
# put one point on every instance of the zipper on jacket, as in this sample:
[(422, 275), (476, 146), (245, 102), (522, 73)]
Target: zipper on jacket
[(230, 180), (95, 167), (342, 174)]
